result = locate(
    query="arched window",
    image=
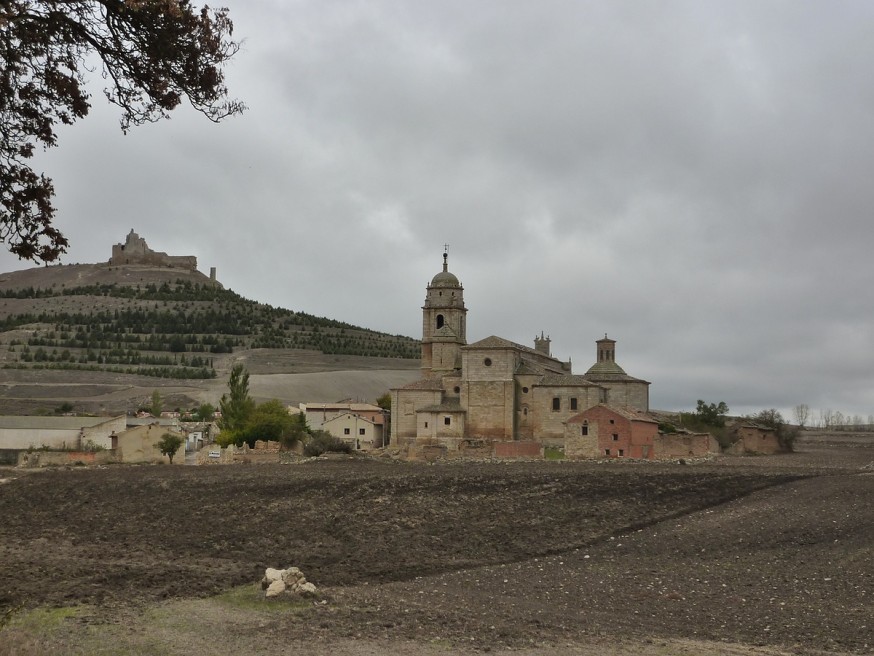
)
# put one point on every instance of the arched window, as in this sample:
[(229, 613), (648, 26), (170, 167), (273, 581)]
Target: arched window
[(585, 428), (439, 321)]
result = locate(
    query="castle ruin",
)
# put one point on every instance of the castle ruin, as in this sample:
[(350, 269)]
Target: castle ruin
[(135, 250)]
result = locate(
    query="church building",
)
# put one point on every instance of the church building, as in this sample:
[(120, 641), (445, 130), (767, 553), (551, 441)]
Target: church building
[(495, 390)]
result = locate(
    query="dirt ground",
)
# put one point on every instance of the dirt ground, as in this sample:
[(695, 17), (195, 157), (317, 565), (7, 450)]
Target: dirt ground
[(741, 556)]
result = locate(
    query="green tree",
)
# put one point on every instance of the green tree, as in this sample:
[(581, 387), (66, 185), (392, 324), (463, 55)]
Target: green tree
[(157, 404), (271, 421), (712, 414), (236, 406), (153, 53), (205, 412), (384, 401), (169, 444)]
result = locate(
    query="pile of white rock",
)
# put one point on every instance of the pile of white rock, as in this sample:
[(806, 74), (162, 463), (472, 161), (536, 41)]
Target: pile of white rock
[(286, 581)]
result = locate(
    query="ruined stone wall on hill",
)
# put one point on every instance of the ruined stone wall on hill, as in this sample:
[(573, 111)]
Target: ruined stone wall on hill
[(135, 250)]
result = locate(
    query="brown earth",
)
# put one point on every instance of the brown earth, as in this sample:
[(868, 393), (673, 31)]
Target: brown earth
[(741, 556)]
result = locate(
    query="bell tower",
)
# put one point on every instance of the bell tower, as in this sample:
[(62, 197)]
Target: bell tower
[(444, 323)]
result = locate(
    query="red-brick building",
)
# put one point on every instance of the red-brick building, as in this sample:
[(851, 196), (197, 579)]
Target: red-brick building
[(608, 432)]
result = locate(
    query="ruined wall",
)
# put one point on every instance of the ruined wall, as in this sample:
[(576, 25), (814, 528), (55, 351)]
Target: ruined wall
[(681, 445)]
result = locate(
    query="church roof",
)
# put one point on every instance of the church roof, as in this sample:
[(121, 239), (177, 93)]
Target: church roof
[(494, 342), (433, 383), (605, 367), (609, 377), (564, 380), (628, 413), (445, 278)]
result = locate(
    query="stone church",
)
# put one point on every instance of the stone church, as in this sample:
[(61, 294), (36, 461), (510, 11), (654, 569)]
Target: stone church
[(495, 391)]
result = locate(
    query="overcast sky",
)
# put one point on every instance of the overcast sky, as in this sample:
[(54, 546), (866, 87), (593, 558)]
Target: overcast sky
[(692, 178)]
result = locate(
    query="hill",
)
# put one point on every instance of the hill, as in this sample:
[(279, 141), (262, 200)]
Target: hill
[(120, 326)]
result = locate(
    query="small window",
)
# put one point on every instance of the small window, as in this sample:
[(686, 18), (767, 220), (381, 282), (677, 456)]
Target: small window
[(361, 431), (615, 437), (456, 389), (525, 411), (612, 421), (426, 424), (524, 390), (573, 403), (439, 321), (447, 420), (556, 404), (346, 431), (606, 452), (621, 452), (585, 428), (487, 362)]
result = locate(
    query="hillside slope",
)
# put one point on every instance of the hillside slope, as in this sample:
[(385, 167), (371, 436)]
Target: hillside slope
[(144, 326)]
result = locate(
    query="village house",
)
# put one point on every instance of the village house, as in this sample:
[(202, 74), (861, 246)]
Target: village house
[(73, 433), (358, 431), (317, 414)]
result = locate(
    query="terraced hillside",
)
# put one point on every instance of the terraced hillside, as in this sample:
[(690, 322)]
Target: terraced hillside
[(160, 322)]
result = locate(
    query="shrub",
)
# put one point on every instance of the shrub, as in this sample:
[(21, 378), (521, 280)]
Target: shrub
[(323, 442)]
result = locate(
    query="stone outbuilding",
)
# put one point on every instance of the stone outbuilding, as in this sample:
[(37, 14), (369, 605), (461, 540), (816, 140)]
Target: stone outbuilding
[(755, 439), (610, 432), (138, 445)]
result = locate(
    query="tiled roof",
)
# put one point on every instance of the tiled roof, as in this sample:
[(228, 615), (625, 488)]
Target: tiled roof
[(433, 383), (53, 423), (564, 380), (494, 342), (598, 377), (627, 413)]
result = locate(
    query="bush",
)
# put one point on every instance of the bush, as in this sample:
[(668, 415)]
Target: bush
[(323, 442)]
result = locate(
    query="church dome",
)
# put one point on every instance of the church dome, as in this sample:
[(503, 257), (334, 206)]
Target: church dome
[(445, 278)]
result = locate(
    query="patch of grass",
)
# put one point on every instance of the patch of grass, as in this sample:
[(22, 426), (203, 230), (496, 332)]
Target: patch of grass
[(44, 620), (553, 453), (251, 597)]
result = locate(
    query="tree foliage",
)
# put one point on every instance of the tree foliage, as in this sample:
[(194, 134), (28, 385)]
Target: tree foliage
[(204, 412), (236, 406), (169, 444), (157, 404), (152, 54), (712, 414)]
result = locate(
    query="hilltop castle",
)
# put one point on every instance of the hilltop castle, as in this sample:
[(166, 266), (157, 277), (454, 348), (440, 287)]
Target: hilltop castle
[(135, 251), (496, 391)]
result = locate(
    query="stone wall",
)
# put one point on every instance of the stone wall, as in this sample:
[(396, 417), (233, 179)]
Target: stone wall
[(518, 449), (549, 424), (682, 445), (30, 459)]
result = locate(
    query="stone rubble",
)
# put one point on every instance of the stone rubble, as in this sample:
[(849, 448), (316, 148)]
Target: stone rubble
[(286, 581)]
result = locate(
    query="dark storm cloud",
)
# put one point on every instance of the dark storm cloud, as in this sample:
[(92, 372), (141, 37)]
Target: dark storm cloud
[(692, 178)]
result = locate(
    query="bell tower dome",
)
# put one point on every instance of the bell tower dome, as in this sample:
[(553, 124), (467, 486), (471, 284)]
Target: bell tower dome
[(444, 323)]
